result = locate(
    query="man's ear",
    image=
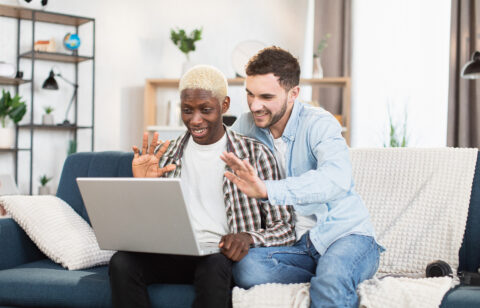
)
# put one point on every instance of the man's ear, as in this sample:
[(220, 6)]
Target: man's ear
[(225, 104), (293, 93)]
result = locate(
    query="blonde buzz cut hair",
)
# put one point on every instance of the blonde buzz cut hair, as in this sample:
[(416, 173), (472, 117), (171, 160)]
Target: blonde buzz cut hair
[(205, 77)]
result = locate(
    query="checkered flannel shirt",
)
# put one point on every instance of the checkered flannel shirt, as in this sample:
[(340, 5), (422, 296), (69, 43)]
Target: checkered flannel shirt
[(269, 225)]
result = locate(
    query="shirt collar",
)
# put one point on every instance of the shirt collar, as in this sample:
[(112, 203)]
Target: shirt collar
[(292, 124), (234, 145)]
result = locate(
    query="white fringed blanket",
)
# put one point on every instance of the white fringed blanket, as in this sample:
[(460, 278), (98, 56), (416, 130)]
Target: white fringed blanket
[(418, 200)]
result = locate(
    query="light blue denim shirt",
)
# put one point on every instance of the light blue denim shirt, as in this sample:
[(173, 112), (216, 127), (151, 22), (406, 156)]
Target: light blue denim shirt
[(319, 174)]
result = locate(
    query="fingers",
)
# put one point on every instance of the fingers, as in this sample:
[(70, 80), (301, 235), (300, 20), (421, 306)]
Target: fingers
[(232, 177), (249, 167), (145, 143), (232, 161), (222, 242), (168, 168), (135, 152), (234, 246), (162, 149), (154, 143)]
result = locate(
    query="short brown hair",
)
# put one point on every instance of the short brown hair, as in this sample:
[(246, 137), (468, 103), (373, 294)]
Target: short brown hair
[(277, 61)]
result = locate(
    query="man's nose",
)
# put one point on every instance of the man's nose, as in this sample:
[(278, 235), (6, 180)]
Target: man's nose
[(255, 104), (196, 118)]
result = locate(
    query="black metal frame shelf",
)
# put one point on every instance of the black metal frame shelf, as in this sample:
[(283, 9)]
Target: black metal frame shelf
[(20, 13)]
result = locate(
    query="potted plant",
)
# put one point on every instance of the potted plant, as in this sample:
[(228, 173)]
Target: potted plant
[(186, 43), (72, 147), (11, 108), (44, 189), (317, 64), (47, 118)]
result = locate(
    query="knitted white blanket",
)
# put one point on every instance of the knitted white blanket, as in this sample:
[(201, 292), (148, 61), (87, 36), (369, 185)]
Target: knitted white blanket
[(418, 200)]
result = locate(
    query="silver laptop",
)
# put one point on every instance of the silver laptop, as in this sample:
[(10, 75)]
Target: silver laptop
[(141, 214), (7, 185)]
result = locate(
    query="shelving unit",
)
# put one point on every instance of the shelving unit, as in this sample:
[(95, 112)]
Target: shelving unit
[(150, 99), (35, 16)]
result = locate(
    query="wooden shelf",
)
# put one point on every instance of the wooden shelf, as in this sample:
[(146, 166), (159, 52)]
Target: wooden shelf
[(43, 16), (172, 83), (53, 127), (150, 104), (12, 81), (13, 149), (55, 56)]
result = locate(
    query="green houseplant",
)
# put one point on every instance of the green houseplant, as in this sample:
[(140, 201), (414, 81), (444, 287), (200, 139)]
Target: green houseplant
[(72, 147), (11, 108), (397, 137), (47, 118), (186, 43), (317, 64), (44, 189)]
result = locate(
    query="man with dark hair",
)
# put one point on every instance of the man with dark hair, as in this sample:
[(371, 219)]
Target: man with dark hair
[(220, 213), (336, 247)]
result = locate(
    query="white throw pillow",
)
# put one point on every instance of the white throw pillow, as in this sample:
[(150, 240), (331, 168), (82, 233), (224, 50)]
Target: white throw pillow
[(57, 230)]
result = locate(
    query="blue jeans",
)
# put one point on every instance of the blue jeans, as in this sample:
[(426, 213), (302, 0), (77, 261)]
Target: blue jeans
[(333, 277)]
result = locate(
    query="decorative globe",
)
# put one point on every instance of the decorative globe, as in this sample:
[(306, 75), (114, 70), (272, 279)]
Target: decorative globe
[(71, 41), (33, 4)]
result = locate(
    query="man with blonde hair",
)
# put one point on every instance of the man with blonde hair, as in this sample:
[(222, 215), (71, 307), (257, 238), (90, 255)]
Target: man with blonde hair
[(221, 213)]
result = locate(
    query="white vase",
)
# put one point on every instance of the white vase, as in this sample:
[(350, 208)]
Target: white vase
[(7, 137), (43, 190), (47, 119), (317, 68), (186, 66)]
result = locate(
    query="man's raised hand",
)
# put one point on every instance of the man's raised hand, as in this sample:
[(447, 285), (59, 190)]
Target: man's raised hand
[(145, 165), (244, 176)]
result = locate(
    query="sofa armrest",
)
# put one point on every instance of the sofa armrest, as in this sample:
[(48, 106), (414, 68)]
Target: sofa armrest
[(16, 248)]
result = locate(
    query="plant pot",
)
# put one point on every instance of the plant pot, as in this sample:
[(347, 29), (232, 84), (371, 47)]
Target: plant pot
[(43, 190), (186, 66), (47, 119), (7, 137)]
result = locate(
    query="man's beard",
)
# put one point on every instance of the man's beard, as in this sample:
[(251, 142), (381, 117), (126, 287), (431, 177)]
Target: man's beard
[(277, 116)]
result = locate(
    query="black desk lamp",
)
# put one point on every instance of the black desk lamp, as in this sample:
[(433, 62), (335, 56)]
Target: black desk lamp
[(51, 84), (471, 70)]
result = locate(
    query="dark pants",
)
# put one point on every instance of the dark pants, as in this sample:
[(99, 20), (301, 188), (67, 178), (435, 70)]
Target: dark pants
[(131, 273)]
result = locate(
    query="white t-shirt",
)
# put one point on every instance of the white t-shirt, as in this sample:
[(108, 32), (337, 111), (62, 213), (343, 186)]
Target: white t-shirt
[(302, 223), (202, 185)]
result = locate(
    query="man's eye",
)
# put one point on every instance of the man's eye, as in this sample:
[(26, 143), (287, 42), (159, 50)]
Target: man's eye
[(249, 94), (207, 110), (186, 110)]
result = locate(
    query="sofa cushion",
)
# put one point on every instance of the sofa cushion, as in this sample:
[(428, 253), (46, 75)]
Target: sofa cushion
[(57, 230), (45, 283), (98, 164)]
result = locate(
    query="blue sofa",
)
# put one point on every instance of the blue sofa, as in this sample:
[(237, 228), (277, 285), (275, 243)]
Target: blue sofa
[(28, 278)]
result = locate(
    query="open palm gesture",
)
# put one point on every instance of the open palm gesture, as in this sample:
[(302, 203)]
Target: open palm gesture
[(145, 165)]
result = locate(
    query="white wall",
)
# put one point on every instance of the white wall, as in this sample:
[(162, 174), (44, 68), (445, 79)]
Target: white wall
[(132, 44), (400, 57)]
